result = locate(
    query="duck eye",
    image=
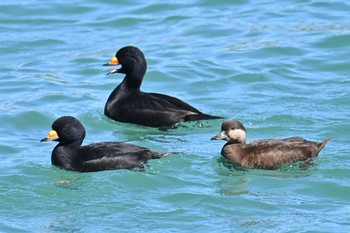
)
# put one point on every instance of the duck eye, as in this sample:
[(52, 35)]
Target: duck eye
[(233, 128)]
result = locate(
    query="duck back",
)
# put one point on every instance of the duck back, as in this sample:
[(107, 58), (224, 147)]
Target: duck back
[(272, 153), (152, 109)]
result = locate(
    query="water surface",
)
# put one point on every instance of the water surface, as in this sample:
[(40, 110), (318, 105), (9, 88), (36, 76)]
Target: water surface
[(282, 68)]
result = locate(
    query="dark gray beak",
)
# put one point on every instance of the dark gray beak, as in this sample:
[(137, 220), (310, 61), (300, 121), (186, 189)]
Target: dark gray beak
[(221, 136)]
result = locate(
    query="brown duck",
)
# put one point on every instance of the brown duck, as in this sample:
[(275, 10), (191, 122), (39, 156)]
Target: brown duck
[(267, 154)]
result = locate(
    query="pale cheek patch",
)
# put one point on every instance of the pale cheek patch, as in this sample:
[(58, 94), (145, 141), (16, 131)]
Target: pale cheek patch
[(238, 134)]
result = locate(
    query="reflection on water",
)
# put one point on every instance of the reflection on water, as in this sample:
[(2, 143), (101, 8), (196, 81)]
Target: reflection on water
[(235, 179), (298, 169)]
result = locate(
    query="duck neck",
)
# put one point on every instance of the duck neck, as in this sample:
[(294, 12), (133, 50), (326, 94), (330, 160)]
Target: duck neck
[(132, 82), (235, 141), (124, 88), (61, 155)]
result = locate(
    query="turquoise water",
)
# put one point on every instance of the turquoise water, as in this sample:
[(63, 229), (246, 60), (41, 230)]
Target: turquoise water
[(280, 67)]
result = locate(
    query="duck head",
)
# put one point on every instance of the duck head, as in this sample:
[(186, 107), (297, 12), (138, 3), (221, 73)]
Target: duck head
[(232, 131), (66, 130), (133, 64)]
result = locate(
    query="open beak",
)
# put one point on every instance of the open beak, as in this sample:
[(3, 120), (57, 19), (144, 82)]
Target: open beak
[(221, 136), (113, 71), (113, 62), (52, 136)]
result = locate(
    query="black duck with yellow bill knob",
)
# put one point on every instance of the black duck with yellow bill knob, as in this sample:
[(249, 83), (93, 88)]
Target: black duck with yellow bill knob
[(127, 103), (70, 155)]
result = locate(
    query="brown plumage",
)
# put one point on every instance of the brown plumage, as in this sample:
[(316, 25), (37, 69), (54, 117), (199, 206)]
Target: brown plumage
[(267, 153)]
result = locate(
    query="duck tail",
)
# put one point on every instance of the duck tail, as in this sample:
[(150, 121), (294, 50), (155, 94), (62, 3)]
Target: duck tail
[(160, 155), (322, 144), (202, 116)]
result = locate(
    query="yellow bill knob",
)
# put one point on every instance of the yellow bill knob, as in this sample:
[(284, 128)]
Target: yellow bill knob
[(51, 136), (113, 62)]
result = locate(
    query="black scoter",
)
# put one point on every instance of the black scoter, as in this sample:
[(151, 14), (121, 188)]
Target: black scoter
[(127, 103), (266, 154), (70, 155)]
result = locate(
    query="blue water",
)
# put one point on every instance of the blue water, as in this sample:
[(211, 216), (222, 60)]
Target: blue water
[(280, 67)]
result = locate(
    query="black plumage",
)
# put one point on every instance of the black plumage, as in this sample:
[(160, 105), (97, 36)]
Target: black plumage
[(127, 103), (70, 155)]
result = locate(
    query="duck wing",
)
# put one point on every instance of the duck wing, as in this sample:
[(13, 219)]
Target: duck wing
[(150, 110), (274, 141), (194, 114), (156, 110), (174, 103), (114, 155), (273, 153)]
